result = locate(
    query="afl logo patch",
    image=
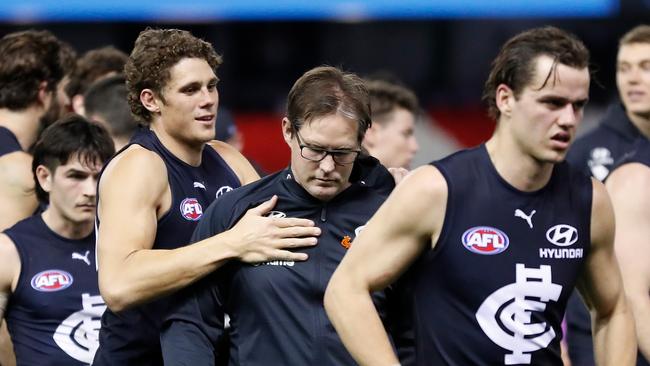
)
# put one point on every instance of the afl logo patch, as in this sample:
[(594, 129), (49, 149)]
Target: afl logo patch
[(485, 240), (51, 280), (191, 209)]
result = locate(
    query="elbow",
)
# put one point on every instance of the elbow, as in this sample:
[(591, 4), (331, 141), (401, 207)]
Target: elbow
[(333, 294), (115, 296)]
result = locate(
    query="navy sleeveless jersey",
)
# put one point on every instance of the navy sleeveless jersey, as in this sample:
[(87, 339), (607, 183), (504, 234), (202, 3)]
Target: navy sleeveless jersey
[(131, 337), (8, 142), (54, 314), (494, 289), (640, 153)]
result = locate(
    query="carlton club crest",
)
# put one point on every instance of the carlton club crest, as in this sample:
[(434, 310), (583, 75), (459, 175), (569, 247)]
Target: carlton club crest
[(78, 334), (506, 315)]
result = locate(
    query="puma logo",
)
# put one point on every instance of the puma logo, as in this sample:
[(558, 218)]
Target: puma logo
[(529, 218), (84, 257)]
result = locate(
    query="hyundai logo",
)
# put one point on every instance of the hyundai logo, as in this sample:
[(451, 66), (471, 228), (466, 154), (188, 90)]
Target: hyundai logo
[(562, 235)]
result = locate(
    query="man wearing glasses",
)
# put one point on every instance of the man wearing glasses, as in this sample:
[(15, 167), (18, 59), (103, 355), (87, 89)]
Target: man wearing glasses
[(276, 308)]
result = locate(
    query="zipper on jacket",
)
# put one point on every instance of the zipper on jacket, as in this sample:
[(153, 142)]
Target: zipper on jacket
[(323, 213)]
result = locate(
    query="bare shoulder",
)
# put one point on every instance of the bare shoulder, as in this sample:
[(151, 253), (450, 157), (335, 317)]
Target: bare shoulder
[(602, 216), (422, 194), (629, 180), (10, 268), (16, 169), (236, 161), (425, 183), (136, 168)]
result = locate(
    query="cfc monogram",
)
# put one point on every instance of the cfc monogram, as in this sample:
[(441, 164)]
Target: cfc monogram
[(505, 316)]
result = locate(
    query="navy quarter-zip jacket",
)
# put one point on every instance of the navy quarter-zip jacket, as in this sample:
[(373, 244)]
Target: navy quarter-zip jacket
[(275, 308)]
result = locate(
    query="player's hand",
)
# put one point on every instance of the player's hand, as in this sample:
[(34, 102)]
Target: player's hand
[(257, 238), (398, 174)]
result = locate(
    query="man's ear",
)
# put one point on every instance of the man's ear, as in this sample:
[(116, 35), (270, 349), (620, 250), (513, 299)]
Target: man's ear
[(44, 177), (44, 95), (371, 137), (149, 101), (78, 104), (287, 130), (505, 98)]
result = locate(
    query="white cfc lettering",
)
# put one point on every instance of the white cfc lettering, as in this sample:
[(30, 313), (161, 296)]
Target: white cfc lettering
[(484, 239), (78, 334), (505, 316)]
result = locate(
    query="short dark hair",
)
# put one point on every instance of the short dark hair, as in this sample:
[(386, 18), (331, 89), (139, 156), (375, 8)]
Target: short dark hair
[(514, 66), (26, 59), (106, 98), (65, 138), (155, 52), (323, 91), (94, 65), (638, 34), (385, 97)]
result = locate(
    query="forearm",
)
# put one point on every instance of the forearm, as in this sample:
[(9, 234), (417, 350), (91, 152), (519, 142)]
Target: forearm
[(148, 274), (615, 338), (355, 318), (641, 311)]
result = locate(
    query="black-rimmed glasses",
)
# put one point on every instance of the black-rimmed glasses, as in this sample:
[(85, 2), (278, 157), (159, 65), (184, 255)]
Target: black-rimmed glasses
[(316, 154)]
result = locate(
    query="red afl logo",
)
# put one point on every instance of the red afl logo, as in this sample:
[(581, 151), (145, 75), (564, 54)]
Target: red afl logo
[(485, 240), (51, 280), (191, 209)]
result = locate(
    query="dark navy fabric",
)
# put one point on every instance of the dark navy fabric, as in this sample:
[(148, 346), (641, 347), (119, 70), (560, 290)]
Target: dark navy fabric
[(640, 153), (54, 314), (131, 337), (8, 142), (275, 308), (494, 288), (595, 154)]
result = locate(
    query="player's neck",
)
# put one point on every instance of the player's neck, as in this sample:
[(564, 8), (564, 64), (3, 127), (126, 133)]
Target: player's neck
[(516, 167), (23, 124), (188, 153), (65, 227), (642, 122)]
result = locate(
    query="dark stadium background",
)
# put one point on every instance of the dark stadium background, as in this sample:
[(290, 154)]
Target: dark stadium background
[(441, 50)]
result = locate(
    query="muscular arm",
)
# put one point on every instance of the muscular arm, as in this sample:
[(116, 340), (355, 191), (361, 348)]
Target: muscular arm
[(602, 289), (242, 167), (132, 195), (386, 247), (9, 272), (628, 188), (16, 188)]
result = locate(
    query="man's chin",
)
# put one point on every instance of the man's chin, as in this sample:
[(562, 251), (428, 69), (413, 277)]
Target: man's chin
[(324, 193)]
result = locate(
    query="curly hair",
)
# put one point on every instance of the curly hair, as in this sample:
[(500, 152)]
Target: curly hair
[(514, 66), (155, 52), (27, 59)]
